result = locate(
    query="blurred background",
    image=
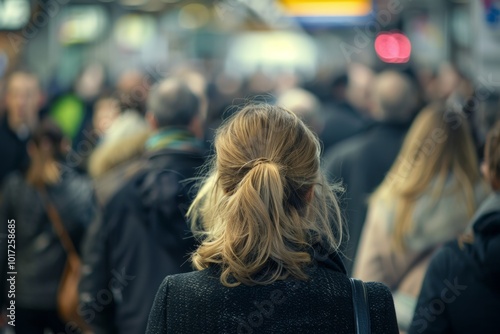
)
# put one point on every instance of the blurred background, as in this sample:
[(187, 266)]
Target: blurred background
[(243, 48), (231, 40), (356, 71)]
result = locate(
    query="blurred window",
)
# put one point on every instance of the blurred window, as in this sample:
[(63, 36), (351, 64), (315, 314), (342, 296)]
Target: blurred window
[(272, 53), (82, 24), (14, 14)]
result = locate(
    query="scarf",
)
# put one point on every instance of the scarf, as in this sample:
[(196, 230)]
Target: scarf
[(174, 138)]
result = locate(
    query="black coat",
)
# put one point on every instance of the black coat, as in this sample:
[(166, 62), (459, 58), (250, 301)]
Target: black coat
[(141, 236), (361, 163), (12, 150), (198, 303), (40, 257), (461, 289), (341, 123)]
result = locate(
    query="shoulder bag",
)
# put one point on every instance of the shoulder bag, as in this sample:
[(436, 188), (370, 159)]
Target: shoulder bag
[(361, 309), (67, 295)]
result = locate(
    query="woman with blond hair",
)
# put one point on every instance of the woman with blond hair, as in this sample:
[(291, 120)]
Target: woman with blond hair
[(466, 271), (426, 199), (268, 260)]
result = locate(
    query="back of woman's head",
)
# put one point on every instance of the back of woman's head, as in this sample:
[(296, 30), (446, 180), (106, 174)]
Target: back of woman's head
[(438, 147), (49, 138), (46, 148), (265, 203), (438, 143), (492, 156)]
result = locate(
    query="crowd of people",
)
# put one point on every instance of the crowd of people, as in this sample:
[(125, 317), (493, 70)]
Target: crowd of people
[(246, 206)]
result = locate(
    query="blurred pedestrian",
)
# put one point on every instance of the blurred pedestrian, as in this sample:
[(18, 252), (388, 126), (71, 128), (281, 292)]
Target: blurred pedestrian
[(141, 234), (23, 100), (426, 199), (40, 254), (362, 161), (303, 104), (106, 110), (466, 271), (342, 120), (125, 137), (72, 109)]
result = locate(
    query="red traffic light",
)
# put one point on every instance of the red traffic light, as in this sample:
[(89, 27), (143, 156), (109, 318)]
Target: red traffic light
[(393, 47)]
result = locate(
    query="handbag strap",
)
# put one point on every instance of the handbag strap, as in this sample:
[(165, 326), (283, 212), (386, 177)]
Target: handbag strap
[(58, 225), (361, 309)]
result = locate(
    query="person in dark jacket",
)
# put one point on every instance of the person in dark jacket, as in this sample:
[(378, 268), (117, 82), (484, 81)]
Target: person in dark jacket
[(461, 289), (270, 227), (362, 161), (23, 101), (40, 256), (141, 234), (342, 120)]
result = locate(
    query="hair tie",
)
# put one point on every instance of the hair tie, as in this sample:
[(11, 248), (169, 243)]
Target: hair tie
[(261, 161)]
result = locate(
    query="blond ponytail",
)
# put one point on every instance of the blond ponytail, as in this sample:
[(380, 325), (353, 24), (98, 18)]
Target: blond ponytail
[(265, 203)]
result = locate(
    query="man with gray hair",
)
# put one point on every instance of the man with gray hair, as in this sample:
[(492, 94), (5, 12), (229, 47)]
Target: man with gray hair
[(303, 104), (173, 104), (394, 97), (141, 234), (362, 161)]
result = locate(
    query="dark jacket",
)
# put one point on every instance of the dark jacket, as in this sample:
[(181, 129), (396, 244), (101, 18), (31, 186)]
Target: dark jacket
[(341, 123), (361, 163), (198, 303), (12, 150), (140, 236), (461, 290), (40, 257)]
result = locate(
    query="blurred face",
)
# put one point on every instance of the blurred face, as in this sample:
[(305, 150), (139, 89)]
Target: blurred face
[(489, 174), (448, 81), (22, 100), (490, 178), (105, 113), (359, 90)]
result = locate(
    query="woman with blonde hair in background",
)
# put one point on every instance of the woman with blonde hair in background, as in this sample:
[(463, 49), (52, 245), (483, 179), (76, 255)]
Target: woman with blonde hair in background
[(466, 271), (268, 259), (426, 199)]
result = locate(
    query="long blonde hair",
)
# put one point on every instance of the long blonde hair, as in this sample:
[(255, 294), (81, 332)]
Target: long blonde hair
[(492, 155), (438, 146), (265, 203)]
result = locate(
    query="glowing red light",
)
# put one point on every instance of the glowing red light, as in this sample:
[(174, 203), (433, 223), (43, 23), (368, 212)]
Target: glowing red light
[(393, 47)]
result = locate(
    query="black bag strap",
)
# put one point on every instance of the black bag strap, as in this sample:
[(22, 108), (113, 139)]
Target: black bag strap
[(57, 223), (361, 309)]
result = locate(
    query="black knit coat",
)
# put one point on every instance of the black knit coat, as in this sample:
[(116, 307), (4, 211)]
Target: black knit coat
[(198, 303)]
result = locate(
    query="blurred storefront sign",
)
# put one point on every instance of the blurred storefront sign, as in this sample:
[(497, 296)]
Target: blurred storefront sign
[(492, 12), (272, 53), (328, 12)]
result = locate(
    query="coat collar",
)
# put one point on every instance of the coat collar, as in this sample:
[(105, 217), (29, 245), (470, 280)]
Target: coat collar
[(482, 221), (320, 258), (486, 247), (332, 261)]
